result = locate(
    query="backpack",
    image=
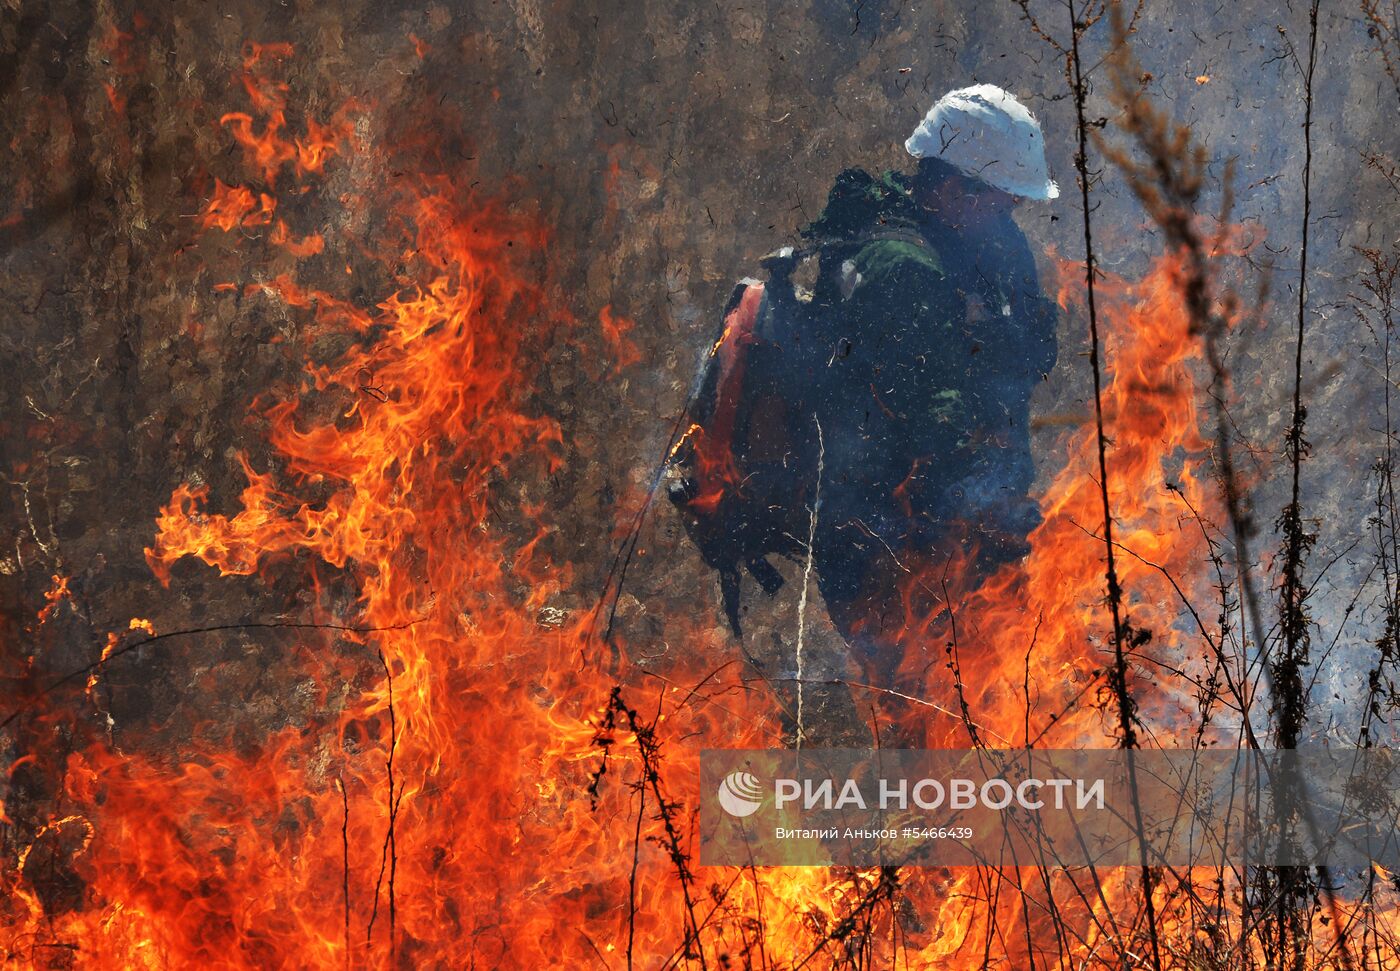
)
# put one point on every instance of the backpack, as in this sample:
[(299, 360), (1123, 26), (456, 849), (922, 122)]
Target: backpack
[(744, 473)]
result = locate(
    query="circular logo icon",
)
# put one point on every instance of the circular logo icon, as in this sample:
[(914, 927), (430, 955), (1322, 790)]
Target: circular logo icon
[(740, 794)]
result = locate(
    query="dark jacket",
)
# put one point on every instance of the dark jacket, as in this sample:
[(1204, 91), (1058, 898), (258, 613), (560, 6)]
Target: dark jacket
[(905, 375), (941, 334)]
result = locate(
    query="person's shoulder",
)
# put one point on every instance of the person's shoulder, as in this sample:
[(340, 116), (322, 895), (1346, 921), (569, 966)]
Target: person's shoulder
[(897, 257), (859, 200)]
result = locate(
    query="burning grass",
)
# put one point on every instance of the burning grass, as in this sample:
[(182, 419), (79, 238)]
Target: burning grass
[(468, 786)]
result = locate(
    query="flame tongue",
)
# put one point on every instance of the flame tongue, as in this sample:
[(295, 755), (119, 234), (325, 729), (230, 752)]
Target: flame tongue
[(440, 778), (383, 830), (1042, 625)]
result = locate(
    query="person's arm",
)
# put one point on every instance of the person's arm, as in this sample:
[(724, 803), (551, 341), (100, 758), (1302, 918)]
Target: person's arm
[(1037, 314)]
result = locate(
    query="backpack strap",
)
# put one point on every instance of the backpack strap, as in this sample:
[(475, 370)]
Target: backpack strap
[(781, 263)]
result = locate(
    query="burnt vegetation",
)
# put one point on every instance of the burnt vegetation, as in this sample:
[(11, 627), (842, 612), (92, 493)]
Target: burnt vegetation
[(1252, 675)]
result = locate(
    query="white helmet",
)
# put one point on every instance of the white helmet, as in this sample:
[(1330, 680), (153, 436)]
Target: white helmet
[(986, 133)]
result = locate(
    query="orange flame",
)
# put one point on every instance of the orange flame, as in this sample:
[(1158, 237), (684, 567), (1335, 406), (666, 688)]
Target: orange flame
[(56, 594), (233, 206)]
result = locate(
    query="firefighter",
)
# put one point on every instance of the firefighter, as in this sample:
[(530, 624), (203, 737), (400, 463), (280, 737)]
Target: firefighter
[(902, 379), (944, 335)]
